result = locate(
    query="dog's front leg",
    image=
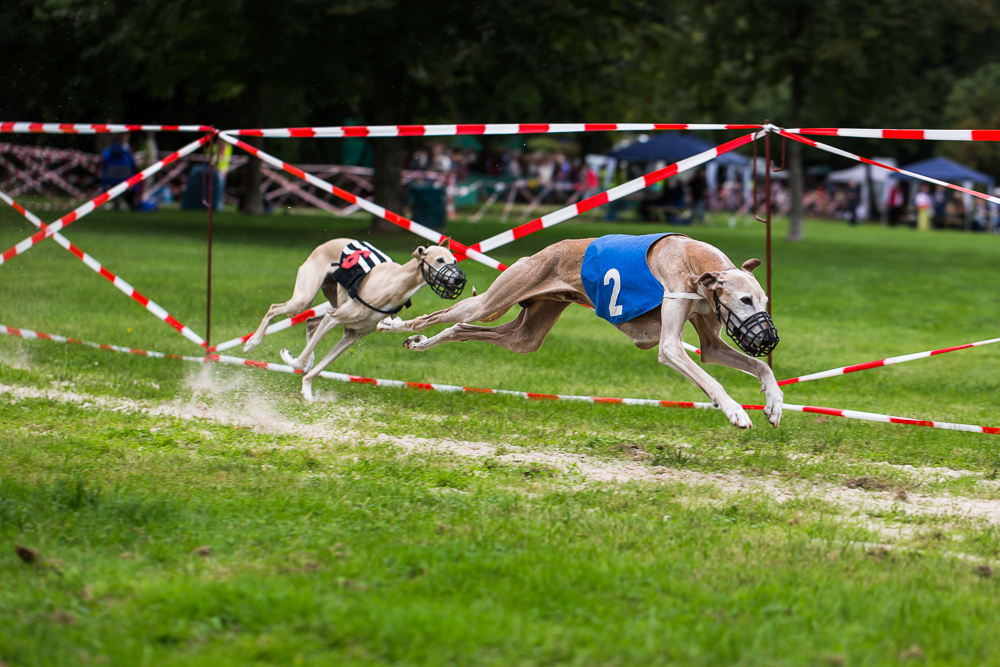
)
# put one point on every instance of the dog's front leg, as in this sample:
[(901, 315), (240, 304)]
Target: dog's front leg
[(714, 350), (350, 337), (674, 313)]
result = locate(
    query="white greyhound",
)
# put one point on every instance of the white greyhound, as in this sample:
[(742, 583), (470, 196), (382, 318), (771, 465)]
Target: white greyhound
[(698, 282), (384, 288)]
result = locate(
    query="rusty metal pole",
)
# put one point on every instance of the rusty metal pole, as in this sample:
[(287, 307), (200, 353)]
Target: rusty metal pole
[(211, 206), (767, 217)]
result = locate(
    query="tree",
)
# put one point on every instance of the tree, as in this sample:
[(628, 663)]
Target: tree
[(974, 103), (830, 62)]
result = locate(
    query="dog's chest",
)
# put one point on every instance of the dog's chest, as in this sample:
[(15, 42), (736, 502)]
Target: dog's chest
[(617, 279)]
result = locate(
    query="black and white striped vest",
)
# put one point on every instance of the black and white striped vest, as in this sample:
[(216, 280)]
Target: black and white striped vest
[(356, 261)]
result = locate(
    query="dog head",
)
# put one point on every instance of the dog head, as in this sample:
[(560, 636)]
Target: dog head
[(439, 269), (435, 255), (740, 304)]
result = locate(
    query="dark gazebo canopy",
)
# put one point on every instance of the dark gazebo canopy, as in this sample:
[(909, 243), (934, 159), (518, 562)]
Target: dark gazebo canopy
[(673, 147), (947, 170)]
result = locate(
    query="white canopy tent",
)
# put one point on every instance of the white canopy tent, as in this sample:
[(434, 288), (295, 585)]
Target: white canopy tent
[(861, 174)]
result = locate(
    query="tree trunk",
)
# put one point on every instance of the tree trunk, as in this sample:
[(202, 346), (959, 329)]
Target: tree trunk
[(873, 204), (795, 172), (252, 203), (387, 158)]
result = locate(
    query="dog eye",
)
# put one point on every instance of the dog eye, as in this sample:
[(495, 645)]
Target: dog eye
[(440, 260), (747, 300)]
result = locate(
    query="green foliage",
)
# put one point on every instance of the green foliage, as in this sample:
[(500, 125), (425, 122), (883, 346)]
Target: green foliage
[(974, 103)]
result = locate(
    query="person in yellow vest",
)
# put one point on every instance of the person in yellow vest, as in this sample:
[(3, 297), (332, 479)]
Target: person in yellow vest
[(924, 203)]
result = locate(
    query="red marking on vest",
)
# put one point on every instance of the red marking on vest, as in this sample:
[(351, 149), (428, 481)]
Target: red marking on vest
[(354, 258)]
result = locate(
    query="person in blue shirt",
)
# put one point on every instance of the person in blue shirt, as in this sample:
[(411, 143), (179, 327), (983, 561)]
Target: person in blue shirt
[(117, 165)]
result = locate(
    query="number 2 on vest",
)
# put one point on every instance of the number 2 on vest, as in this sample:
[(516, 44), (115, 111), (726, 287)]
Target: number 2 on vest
[(614, 310)]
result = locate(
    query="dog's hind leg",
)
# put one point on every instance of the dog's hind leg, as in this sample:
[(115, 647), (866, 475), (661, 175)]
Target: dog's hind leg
[(523, 335), (307, 285), (714, 350), (311, 325), (326, 324), (673, 314), (351, 336)]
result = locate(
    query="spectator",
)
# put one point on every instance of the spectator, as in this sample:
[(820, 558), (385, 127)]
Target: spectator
[(117, 165), (620, 176), (924, 203), (699, 196), (853, 202), (941, 202), (440, 160), (589, 181), (896, 202)]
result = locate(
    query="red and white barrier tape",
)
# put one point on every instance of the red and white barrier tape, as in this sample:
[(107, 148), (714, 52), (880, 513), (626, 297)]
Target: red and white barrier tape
[(488, 128), (883, 362), (618, 192), (95, 128), (459, 250), (275, 328), (904, 172), (99, 200), (115, 280), (343, 377), (29, 334), (929, 135)]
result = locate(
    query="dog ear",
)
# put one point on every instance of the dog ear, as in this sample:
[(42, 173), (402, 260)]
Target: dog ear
[(447, 244), (710, 282), (419, 252), (750, 265)]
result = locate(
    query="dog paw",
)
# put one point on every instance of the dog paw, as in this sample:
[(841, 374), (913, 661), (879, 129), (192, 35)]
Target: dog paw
[(307, 391), (391, 324), (737, 416), (250, 344), (287, 357), (773, 412), (412, 342), (775, 401)]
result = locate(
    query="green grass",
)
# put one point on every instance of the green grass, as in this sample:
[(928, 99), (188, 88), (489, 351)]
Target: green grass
[(325, 551)]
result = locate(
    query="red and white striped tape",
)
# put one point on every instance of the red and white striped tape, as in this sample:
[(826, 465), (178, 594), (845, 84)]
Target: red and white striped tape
[(460, 251), (618, 192), (475, 129), (95, 128), (29, 334), (425, 386), (276, 327), (929, 135), (904, 172), (883, 362), (115, 280), (99, 200)]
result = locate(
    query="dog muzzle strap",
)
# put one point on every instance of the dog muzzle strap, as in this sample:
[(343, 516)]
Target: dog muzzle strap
[(448, 281), (756, 335)]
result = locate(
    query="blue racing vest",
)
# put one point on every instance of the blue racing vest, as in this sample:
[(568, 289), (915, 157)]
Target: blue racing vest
[(617, 278)]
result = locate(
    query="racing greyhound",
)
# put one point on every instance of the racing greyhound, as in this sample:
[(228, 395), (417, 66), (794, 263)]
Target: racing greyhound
[(698, 283), (376, 286)]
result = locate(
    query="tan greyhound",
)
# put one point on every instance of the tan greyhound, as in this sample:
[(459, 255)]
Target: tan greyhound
[(700, 285), (384, 289)]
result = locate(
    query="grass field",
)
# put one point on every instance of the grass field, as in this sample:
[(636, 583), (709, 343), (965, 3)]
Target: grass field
[(185, 514)]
